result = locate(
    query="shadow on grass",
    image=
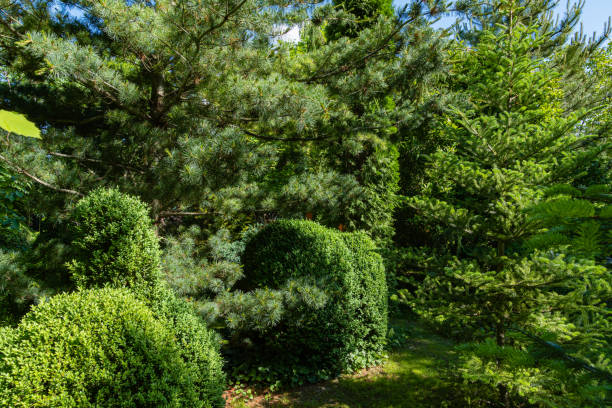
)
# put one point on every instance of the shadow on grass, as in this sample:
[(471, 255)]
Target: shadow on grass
[(415, 376)]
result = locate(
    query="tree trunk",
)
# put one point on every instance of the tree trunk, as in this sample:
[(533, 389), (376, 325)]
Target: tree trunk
[(500, 338)]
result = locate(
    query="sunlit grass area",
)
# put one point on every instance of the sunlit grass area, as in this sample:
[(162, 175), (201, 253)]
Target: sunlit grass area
[(416, 374)]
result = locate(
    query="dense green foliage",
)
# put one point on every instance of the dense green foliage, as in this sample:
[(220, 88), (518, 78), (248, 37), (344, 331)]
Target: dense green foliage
[(198, 345), (529, 316), (473, 162), (115, 231), (372, 289), (11, 219), (356, 15), (198, 118), (345, 332), (17, 290), (101, 348), (577, 221), (114, 241)]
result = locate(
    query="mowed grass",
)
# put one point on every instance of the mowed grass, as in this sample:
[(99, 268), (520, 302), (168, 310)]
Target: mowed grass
[(417, 374)]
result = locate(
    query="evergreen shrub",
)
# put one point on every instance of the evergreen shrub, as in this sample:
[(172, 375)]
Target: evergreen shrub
[(198, 346), (372, 290), (94, 348), (113, 241), (116, 229), (17, 291), (312, 343)]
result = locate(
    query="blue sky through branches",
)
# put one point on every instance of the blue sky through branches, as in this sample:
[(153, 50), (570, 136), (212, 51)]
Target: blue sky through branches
[(594, 14)]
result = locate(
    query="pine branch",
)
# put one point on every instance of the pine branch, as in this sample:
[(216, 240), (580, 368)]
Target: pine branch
[(362, 60), (286, 139), (226, 17), (183, 213), (20, 170), (78, 122), (87, 159)]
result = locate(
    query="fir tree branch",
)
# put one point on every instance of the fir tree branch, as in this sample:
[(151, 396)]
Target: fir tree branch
[(559, 350), (20, 170)]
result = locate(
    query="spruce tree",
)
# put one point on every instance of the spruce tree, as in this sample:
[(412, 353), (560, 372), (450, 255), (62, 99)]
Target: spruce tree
[(529, 317)]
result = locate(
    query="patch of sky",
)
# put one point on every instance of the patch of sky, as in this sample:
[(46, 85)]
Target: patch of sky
[(595, 14)]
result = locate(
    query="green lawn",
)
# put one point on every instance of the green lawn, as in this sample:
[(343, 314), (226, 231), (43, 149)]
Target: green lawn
[(415, 375)]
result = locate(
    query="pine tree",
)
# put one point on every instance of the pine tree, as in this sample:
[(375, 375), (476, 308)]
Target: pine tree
[(201, 111), (355, 15), (528, 317)]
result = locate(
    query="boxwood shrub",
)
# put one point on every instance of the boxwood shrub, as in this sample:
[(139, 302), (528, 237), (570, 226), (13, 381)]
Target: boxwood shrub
[(94, 348), (372, 291), (198, 346), (117, 247), (349, 331), (113, 241)]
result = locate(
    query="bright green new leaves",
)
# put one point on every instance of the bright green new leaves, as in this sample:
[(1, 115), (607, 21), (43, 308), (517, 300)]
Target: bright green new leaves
[(17, 123), (95, 348)]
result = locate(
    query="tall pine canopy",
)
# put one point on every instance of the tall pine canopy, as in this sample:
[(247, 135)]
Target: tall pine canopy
[(203, 109)]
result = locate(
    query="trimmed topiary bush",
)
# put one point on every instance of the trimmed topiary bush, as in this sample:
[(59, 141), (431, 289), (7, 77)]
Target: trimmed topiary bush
[(198, 346), (372, 291), (114, 242), (94, 348), (349, 331), (115, 228)]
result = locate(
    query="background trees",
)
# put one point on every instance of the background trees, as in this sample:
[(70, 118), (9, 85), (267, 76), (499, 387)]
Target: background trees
[(205, 114), (513, 136)]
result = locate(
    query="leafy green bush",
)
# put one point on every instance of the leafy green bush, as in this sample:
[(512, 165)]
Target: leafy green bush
[(372, 290), (116, 230), (94, 348), (198, 346), (114, 241), (313, 342)]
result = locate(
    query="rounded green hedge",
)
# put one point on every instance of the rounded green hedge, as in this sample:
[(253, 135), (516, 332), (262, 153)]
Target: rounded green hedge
[(94, 348), (372, 290), (115, 229), (114, 241), (349, 331), (198, 346)]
